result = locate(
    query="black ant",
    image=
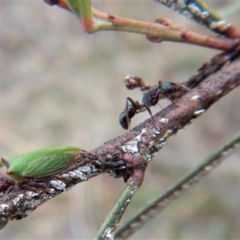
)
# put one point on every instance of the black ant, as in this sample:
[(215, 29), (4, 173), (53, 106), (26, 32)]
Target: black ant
[(150, 98), (169, 90)]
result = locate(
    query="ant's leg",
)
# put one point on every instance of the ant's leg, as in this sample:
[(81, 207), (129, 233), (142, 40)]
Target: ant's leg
[(127, 112), (135, 104), (150, 112), (168, 97), (184, 87)]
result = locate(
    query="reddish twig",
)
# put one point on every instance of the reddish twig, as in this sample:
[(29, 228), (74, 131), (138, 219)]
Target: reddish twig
[(163, 30)]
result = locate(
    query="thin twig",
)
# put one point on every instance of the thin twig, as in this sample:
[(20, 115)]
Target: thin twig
[(200, 12), (93, 20), (112, 221), (161, 202)]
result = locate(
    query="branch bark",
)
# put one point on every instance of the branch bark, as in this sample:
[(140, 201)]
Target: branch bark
[(118, 157)]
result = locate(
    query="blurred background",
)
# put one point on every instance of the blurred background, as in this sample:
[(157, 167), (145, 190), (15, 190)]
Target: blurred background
[(59, 86)]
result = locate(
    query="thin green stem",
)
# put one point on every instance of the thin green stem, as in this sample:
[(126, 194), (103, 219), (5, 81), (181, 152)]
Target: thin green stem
[(83, 10), (75, 7), (111, 222), (158, 204)]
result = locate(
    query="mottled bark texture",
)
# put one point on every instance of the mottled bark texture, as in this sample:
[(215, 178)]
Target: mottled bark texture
[(124, 156)]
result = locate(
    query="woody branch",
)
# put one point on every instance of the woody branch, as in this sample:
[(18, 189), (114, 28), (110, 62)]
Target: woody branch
[(120, 156)]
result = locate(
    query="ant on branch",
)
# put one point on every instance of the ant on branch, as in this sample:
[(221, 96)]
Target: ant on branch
[(169, 90), (150, 98)]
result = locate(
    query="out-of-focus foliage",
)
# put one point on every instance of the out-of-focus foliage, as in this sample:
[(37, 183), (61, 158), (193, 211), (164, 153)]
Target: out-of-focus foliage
[(59, 86)]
